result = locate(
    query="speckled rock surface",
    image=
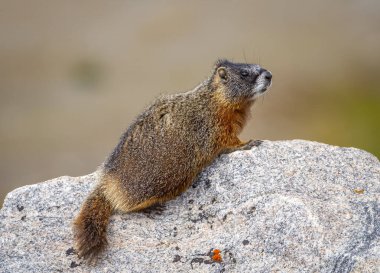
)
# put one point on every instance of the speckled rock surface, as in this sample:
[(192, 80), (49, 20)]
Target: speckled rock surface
[(285, 206)]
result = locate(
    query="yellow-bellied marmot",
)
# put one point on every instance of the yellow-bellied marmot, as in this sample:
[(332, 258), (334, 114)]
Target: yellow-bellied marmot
[(167, 146)]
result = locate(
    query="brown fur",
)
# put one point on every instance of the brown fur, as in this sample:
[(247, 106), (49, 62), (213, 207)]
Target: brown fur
[(90, 225), (162, 152)]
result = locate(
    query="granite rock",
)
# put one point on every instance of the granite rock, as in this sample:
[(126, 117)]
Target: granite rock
[(285, 206)]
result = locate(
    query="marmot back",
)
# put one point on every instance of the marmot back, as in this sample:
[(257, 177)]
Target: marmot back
[(166, 147)]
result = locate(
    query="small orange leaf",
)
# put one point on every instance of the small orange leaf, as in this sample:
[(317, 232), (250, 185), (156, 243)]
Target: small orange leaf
[(216, 257), (216, 251)]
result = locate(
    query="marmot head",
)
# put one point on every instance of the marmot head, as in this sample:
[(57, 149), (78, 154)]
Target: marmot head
[(239, 81)]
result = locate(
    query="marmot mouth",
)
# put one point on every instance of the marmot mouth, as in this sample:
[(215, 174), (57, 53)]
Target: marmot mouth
[(263, 82), (261, 87)]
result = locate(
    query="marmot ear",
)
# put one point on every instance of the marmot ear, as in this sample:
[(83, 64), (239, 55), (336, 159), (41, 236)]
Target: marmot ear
[(222, 73)]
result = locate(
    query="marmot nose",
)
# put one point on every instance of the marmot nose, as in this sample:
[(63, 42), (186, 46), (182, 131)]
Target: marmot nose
[(267, 75)]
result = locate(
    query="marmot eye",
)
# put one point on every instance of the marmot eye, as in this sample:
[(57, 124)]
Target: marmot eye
[(244, 73)]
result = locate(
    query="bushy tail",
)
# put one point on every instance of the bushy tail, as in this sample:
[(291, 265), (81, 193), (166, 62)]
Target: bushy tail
[(90, 226)]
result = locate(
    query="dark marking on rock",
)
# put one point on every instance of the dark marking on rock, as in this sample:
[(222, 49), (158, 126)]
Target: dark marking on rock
[(74, 264), (230, 255), (245, 242), (70, 251), (252, 210), (200, 207), (177, 258), (177, 248), (20, 208), (196, 260), (224, 218), (201, 216), (191, 201), (207, 183), (213, 200), (23, 218)]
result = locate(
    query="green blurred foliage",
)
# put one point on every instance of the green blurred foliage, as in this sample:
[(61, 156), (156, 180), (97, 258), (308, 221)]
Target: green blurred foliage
[(351, 117), (87, 74)]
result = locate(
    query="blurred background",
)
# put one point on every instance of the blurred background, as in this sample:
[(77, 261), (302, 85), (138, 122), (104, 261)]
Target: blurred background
[(74, 74)]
